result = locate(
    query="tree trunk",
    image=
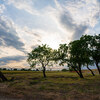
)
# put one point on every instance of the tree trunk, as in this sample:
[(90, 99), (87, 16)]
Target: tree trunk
[(81, 75), (2, 77), (80, 71), (90, 70), (76, 71), (98, 67), (44, 69)]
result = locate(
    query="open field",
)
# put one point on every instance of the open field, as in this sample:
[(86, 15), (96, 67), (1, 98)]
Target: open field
[(29, 85)]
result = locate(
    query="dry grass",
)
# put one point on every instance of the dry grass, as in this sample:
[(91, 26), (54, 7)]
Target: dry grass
[(29, 85)]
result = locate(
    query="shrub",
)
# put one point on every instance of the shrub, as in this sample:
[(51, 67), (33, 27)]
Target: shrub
[(64, 70)]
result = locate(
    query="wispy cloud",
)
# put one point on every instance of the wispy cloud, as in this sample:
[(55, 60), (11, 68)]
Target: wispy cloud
[(9, 59), (76, 17), (27, 5), (8, 34), (2, 8)]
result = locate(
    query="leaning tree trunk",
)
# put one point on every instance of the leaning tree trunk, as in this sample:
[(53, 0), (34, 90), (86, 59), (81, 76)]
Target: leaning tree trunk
[(98, 67), (80, 71), (76, 71), (44, 69), (2, 77), (81, 75), (90, 70)]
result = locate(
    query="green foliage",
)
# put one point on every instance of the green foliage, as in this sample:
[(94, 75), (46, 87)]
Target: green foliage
[(76, 54), (95, 48), (61, 54), (71, 69), (40, 55)]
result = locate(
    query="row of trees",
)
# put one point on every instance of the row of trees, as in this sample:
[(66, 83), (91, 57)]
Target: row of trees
[(77, 54)]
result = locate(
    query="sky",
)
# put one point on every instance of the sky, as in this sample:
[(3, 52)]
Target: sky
[(25, 24)]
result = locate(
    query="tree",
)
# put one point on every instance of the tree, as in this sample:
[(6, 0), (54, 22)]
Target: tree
[(69, 55), (95, 50), (86, 41), (40, 55), (72, 65), (61, 55), (76, 58)]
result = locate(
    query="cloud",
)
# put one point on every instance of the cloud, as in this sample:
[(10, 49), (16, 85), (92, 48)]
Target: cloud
[(6, 60), (72, 16), (76, 17), (8, 34), (80, 30), (2, 8), (30, 37), (53, 22), (27, 5), (68, 23), (10, 51)]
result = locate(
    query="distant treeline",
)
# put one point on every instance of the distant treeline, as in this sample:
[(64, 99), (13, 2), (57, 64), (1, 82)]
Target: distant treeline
[(16, 69)]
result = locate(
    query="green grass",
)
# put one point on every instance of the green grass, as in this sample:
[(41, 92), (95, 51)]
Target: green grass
[(63, 85)]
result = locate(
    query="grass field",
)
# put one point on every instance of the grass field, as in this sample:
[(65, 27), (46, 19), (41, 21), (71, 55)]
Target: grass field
[(29, 85)]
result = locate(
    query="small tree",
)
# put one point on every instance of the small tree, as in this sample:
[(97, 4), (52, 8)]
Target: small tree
[(40, 55)]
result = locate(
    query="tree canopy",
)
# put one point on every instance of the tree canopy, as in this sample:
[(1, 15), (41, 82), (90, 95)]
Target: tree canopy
[(40, 55)]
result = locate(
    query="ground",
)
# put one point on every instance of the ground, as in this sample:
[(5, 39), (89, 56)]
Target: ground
[(30, 85)]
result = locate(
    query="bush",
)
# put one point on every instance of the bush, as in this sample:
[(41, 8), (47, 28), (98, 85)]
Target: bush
[(64, 70), (15, 69), (37, 70), (4, 69), (23, 69)]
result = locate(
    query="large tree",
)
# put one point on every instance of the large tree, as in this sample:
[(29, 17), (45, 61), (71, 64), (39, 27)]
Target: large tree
[(86, 41), (70, 56), (40, 55), (76, 57), (95, 50)]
